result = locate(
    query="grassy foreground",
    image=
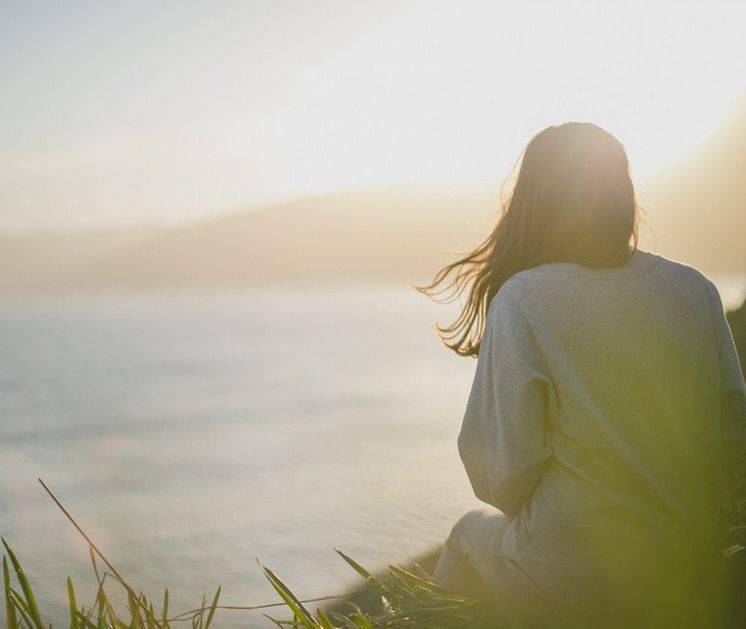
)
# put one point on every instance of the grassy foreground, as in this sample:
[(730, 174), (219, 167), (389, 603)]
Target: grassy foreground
[(410, 598), (405, 597)]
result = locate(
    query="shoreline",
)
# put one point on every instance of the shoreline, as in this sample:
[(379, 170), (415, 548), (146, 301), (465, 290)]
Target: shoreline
[(367, 597)]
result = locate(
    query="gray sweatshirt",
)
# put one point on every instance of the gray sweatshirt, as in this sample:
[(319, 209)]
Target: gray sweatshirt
[(604, 405)]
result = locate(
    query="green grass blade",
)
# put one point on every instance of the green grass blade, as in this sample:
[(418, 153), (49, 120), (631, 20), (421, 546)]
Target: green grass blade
[(213, 607), (421, 572), (416, 580), (356, 566), (10, 608), (365, 574), (150, 616), (201, 618), (74, 624), (164, 611), (21, 608), (359, 618), (290, 599), (324, 619), (85, 622), (99, 603), (272, 620), (136, 619), (25, 586)]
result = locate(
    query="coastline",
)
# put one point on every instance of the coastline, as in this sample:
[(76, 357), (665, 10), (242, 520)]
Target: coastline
[(367, 597)]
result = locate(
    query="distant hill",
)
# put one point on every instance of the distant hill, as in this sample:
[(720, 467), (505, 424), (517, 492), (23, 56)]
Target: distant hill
[(697, 212), (52, 259), (346, 237)]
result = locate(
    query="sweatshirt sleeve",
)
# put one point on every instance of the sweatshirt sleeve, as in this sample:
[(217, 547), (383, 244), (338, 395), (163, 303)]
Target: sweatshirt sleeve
[(733, 393), (503, 442)]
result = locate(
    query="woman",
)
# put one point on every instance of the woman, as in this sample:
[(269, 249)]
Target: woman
[(607, 400)]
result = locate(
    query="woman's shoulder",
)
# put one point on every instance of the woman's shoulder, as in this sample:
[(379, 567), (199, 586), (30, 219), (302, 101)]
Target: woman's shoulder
[(544, 279), (699, 290), (556, 286), (642, 264), (688, 278), (537, 290)]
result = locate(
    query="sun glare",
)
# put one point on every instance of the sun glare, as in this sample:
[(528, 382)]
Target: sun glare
[(211, 109)]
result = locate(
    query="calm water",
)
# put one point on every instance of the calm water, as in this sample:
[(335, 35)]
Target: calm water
[(190, 434)]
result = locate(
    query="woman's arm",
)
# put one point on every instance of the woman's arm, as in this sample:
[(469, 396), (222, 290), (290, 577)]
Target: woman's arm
[(503, 442), (733, 393)]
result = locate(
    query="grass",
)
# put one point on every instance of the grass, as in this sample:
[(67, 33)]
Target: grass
[(411, 598), (405, 597)]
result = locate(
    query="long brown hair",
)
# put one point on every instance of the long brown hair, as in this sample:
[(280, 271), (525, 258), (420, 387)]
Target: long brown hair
[(572, 201)]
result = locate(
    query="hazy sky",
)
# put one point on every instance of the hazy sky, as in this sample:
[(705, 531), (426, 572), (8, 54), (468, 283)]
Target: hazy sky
[(147, 112)]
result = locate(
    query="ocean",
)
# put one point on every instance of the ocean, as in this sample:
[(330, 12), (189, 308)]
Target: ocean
[(192, 434)]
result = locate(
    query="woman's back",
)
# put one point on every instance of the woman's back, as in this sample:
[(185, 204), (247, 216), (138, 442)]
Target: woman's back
[(595, 423), (606, 394)]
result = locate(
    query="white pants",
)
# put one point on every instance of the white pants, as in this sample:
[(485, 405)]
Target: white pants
[(469, 563)]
